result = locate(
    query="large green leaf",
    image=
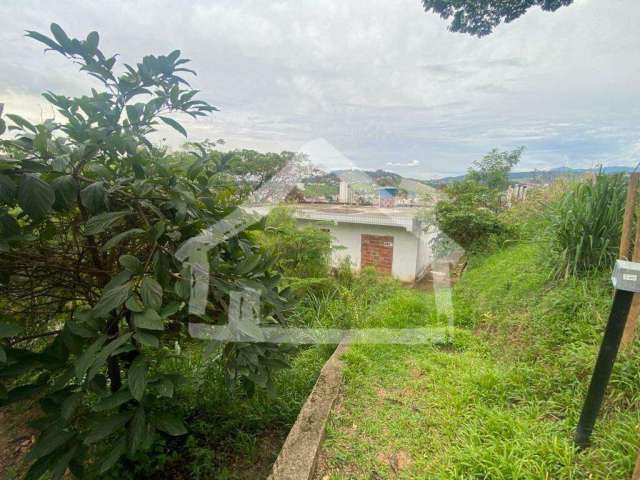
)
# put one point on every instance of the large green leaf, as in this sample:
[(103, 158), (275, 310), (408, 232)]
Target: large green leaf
[(113, 242), (147, 339), (7, 189), (131, 263), (48, 443), (113, 401), (60, 35), (171, 424), (138, 377), (70, 404), (61, 462), (104, 221), (88, 356), (35, 197), (94, 197), (149, 319), (104, 426), (44, 39), (21, 122), (151, 293), (137, 430), (66, 192), (135, 304), (172, 123), (114, 455), (91, 43), (111, 299), (106, 352)]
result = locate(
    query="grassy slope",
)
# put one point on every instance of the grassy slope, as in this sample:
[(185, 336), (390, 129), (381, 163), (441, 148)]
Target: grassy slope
[(503, 403)]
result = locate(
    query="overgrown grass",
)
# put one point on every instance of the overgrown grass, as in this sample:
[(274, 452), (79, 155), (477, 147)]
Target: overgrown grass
[(237, 437), (503, 403), (586, 225)]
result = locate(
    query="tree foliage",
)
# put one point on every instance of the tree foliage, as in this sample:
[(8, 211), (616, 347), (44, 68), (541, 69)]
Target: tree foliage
[(92, 296), (480, 17), (493, 169), (470, 213)]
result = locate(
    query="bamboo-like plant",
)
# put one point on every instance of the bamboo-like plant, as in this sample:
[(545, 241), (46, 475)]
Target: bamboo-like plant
[(586, 226)]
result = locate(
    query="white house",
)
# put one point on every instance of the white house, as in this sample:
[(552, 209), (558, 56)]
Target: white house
[(391, 240)]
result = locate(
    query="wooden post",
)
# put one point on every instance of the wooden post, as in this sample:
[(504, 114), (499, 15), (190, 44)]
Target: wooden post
[(625, 241), (636, 471), (634, 311)]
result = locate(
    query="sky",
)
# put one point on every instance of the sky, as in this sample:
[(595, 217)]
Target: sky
[(364, 83)]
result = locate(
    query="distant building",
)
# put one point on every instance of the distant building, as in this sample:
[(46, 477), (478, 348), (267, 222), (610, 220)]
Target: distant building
[(345, 195), (517, 192), (387, 197), (391, 241)]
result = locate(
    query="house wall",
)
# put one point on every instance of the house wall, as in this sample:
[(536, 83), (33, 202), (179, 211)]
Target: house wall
[(425, 252), (347, 242)]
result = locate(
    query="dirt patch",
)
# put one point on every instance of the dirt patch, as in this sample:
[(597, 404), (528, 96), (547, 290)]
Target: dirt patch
[(16, 438), (397, 461)]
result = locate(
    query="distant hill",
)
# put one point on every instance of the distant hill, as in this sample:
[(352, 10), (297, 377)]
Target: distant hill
[(540, 176), (362, 181)]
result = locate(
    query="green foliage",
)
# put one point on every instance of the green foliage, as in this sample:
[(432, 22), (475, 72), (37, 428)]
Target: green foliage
[(299, 251), (91, 214), (480, 18), (236, 436), (493, 169), (470, 214), (504, 402), (528, 219), (241, 171), (585, 226)]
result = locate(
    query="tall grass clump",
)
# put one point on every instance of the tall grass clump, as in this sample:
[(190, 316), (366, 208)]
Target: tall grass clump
[(585, 226)]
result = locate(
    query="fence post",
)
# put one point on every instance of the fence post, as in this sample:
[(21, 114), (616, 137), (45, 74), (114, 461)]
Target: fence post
[(636, 471), (630, 326), (625, 240)]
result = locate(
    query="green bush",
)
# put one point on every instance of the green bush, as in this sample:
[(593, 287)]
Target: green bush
[(299, 251), (585, 226), (91, 217), (470, 216)]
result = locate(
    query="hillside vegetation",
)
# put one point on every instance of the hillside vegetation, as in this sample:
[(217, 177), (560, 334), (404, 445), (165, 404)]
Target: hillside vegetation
[(503, 400)]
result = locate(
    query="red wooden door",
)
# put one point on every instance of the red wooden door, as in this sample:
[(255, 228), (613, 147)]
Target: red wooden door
[(377, 251)]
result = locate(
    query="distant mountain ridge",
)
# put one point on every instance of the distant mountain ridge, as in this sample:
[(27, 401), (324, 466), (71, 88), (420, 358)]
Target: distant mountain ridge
[(541, 175)]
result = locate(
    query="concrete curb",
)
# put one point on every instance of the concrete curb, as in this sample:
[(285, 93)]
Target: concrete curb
[(298, 457)]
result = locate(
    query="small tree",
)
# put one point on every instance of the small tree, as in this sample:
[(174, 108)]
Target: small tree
[(91, 214), (493, 169), (470, 213)]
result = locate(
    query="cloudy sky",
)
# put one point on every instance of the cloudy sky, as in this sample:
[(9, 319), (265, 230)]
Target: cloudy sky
[(381, 84)]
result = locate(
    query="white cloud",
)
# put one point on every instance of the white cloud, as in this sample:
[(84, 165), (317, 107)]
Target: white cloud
[(379, 80), (412, 163)]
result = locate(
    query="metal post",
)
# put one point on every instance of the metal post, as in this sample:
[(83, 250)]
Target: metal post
[(604, 366)]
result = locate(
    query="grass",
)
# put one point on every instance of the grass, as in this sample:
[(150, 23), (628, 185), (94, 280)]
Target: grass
[(504, 401), (233, 436)]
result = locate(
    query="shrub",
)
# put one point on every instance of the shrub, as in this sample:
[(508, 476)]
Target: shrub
[(299, 251), (91, 215), (585, 226), (470, 215)]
